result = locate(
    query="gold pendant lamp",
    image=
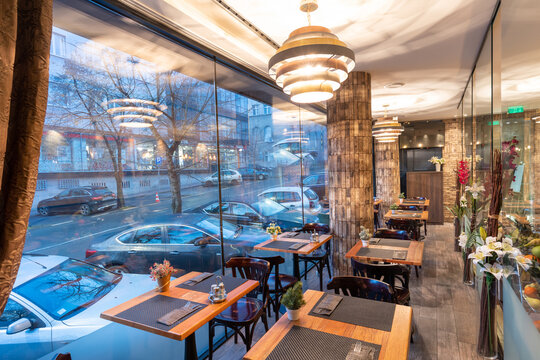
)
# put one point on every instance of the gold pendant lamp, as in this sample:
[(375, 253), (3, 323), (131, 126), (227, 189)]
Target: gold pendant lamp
[(387, 129), (312, 63), (134, 113)]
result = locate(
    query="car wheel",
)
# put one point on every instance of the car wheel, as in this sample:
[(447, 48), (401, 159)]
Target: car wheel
[(85, 210), (235, 182), (119, 269), (261, 177), (44, 211), (208, 184)]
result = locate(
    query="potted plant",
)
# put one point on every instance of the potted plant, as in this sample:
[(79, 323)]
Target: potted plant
[(293, 300), (162, 274), (273, 230), (437, 161), (394, 207), (401, 197)]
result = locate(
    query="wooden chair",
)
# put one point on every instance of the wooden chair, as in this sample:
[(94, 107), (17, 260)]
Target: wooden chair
[(320, 257), (409, 207), (59, 356), (392, 234), (278, 283), (245, 312), (362, 287), (388, 273), (410, 226), (425, 222)]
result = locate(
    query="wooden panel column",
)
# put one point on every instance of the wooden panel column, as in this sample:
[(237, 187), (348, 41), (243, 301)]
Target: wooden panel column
[(387, 173), (350, 165), (452, 154)]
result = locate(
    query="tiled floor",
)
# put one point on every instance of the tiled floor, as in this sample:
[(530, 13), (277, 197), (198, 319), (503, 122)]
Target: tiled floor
[(444, 310)]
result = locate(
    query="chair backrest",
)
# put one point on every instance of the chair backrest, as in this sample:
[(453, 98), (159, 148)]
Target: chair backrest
[(362, 287), (252, 269), (382, 272), (60, 356), (311, 227), (407, 225), (391, 234), (418, 198), (409, 207), (274, 261)]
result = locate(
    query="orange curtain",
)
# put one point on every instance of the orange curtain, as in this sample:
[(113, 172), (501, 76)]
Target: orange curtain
[(25, 36)]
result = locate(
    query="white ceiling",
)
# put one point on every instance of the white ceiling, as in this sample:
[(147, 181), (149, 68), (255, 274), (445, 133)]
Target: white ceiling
[(430, 45)]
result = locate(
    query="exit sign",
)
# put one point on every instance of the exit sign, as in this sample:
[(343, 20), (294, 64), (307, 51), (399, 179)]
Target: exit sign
[(494, 123), (515, 109)]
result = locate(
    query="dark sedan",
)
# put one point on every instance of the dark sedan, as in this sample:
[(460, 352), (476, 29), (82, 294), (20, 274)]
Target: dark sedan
[(189, 241), (249, 173), (260, 213), (84, 200)]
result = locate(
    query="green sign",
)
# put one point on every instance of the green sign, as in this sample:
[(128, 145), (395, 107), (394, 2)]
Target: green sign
[(515, 109), (494, 123)]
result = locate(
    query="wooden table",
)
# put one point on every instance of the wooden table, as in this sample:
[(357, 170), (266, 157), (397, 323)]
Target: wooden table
[(185, 330), (394, 344), (415, 253), (403, 215), (305, 250)]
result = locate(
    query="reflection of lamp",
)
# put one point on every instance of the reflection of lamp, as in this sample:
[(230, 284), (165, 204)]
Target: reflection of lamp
[(312, 63), (387, 129), (134, 113)]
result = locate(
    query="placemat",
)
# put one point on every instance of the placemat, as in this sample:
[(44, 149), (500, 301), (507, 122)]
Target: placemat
[(152, 309), (230, 283), (394, 243), (307, 344), (375, 253), (300, 236), (281, 245), (361, 312)]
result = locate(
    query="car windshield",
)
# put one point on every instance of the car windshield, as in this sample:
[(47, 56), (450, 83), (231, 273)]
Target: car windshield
[(211, 225), (268, 207), (310, 194), (68, 288)]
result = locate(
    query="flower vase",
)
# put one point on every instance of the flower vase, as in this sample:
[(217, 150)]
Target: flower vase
[(400, 200), (274, 237), (438, 167), (163, 283), (487, 335), (293, 314), (468, 278)]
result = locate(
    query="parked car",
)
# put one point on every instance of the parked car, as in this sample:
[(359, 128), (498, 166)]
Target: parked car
[(57, 300), (84, 200), (260, 213), (231, 177), (249, 173), (191, 242), (291, 197), (317, 183)]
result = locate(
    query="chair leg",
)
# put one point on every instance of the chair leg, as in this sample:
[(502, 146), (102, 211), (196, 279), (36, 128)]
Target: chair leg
[(265, 322), (276, 308), (328, 267), (305, 270), (416, 270), (235, 336), (248, 338)]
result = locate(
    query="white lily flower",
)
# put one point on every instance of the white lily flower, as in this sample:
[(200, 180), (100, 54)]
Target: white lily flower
[(495, 270), (490, 239), (507, 240), (475, 190), (484, 249), (524, 262), (508, 270), (494, 245), (462, 240), (477, 256)]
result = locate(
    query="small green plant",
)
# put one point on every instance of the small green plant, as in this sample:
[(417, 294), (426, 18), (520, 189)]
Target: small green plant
[(273, 229), (401, 196), (294, 298), (364, 233), (394, 207)]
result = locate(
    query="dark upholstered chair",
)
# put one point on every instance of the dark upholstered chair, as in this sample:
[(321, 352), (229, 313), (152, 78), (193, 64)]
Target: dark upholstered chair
[(320, 257), (362, 287), (389, 273), (391, 234), (278, 283), (245, 312)]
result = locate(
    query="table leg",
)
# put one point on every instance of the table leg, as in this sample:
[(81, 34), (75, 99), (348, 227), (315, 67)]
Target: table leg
[(190, 348), (296, 266)]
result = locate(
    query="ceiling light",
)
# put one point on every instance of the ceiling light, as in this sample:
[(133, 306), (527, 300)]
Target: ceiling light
[(394, 85), (312, 63), (537, 118), (134, 113), (387, 129)]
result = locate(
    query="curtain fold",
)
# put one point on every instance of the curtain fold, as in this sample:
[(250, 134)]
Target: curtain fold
[(25, 36)]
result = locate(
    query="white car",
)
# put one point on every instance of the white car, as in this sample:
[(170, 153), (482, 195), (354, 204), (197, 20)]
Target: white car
[(291, 198), (57, 300), (228, 176)]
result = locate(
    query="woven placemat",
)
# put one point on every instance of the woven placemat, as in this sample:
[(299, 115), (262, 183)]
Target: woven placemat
[(361, 312), (394, 243), (375, 253), (152, 309), (285, 245), (204, 286), (307, 344)]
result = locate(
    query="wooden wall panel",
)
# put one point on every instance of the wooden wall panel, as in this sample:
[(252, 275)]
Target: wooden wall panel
[(430, 185)]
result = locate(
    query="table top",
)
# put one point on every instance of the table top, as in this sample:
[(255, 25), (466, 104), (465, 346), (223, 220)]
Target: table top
[(403, 215), (190, 324), (394, 344), (305, 250), (414, 202), (415, 253)]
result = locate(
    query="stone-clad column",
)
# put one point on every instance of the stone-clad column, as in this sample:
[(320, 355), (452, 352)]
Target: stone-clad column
[(452, 154), (387, 173), (350, 165)]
